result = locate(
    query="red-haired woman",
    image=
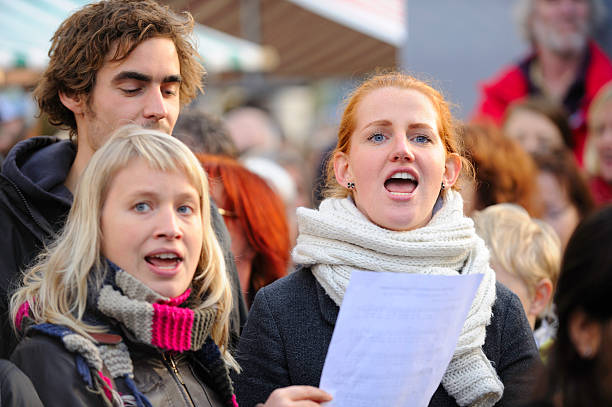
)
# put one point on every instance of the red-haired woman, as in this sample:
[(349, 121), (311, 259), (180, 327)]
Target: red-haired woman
[(255, 217), (391, 206)]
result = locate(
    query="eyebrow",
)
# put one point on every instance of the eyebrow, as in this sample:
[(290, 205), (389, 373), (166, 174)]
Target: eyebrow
[(152, 194), (139, 76), (388, 123)]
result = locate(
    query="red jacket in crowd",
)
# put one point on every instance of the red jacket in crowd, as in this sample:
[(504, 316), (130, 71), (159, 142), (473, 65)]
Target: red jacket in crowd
[(513, 83)]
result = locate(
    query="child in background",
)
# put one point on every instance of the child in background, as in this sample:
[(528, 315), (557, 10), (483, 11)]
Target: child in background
[(526, 257)]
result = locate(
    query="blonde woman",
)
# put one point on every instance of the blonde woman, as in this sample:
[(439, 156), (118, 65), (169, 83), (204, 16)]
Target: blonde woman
[(598, 151), (130, 306), (526, 257)]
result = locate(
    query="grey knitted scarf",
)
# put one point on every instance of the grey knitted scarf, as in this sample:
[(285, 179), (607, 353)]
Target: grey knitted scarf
[(338, 238)]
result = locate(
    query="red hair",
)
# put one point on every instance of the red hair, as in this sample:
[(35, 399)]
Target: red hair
[(261, 213), (505, 172), (399, 80)]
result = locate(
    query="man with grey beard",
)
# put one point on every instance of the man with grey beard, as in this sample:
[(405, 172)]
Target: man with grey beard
[(565, 65)]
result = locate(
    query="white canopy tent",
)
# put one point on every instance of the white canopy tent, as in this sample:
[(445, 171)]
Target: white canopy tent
[(26, 27)]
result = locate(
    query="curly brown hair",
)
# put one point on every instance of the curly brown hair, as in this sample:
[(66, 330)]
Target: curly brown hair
[(82, 43), (504, 171)]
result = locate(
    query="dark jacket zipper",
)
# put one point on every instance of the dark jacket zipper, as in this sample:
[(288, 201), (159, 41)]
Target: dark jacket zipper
[(171, 365), (27, 208)]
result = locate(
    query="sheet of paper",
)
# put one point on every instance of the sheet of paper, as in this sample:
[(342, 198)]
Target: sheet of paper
[(394, 338)]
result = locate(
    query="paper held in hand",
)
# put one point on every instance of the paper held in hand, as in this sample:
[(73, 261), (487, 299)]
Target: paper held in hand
[(394, 337)]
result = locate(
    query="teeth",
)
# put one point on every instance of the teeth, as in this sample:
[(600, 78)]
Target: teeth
[(166, 256), (403, 175)]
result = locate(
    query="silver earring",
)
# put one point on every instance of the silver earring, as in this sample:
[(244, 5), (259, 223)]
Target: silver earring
[(443, 186), (350, 185)]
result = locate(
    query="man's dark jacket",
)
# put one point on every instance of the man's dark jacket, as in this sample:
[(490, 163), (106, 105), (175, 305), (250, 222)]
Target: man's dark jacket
[(34, 204)]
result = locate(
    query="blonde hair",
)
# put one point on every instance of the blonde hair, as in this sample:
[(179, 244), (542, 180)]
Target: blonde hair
[(525, 247), (591, 157), (56, 287)]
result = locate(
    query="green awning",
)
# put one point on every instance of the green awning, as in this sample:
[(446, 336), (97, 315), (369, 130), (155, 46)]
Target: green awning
[(26, 27)]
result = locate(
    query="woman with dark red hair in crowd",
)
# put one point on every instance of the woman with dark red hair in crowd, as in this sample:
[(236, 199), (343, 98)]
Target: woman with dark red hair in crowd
[(505, 172), (256, 219)]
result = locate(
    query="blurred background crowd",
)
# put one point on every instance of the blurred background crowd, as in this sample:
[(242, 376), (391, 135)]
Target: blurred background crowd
[(529, 80)]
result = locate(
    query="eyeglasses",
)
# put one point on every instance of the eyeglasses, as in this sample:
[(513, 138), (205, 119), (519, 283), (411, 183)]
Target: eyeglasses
[(225, 212)]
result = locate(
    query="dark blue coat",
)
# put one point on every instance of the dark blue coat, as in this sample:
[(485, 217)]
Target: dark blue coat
[(290, 327)]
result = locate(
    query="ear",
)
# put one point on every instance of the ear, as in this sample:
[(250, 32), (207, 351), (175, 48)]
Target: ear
[(452, 168), (74, 103), (342, 169), (541, 297), (585, 334)]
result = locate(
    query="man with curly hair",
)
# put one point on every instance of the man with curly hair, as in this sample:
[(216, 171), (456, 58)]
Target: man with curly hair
[(112, 63)]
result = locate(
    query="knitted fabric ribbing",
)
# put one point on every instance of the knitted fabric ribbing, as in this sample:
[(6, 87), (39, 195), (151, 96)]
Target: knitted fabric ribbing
[(338, 238), (167, 327), (168, 324), (165, 323)]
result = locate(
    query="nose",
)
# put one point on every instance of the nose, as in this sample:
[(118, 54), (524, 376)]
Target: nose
[(155, 105), (402, 150), (167, 226)]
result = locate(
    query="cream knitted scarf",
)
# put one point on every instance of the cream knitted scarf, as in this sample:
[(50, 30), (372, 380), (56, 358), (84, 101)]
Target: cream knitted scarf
[(338, 238)]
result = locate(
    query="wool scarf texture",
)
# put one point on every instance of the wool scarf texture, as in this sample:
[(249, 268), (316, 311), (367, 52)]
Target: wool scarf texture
[(337, 239), (172, 325)]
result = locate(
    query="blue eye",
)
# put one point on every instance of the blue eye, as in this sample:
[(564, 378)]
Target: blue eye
[(185, 210), (142, 207), (377, 137), (421, 139)]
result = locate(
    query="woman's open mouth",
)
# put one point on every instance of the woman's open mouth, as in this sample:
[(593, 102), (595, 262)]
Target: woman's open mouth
[(164, 261), (401, 183)]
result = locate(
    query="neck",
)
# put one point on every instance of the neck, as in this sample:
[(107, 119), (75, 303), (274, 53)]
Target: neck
[(532, 320), (244, 266), (558, 71), (81, 160)]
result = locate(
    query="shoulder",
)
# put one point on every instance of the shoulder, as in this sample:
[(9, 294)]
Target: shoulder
[(508, 332), (505, 79), (505, 298), (301, 278), (599, 60), (510, 346), (499, 91), (599, 71), (39, 350), (507, 310), (53, 371), (295, 291), (16, 389), (292, 304)]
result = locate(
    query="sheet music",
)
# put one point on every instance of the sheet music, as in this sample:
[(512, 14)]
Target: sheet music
[(394, 337)]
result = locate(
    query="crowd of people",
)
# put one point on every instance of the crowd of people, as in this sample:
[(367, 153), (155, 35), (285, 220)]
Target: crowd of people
[(160, 255)]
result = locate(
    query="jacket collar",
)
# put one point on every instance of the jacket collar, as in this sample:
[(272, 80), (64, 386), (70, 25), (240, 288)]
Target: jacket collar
[(36, 169)]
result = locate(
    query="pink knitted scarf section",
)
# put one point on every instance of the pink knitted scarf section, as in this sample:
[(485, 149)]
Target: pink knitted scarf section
[(166, 323)]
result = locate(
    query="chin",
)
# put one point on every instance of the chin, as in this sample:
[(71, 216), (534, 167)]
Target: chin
[(169, 292), (399, 225)]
